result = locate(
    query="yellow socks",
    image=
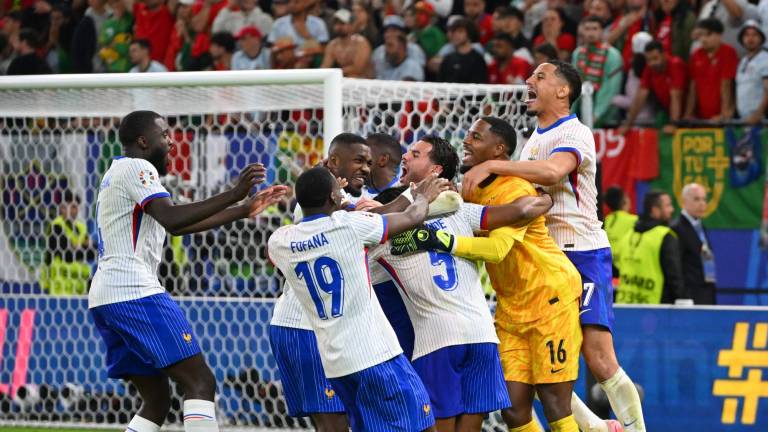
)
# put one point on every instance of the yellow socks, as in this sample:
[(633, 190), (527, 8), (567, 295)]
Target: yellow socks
[(530, 427), (565, 424)]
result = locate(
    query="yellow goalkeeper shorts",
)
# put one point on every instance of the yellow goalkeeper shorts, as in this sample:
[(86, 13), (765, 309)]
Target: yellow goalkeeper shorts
[(545, 351)]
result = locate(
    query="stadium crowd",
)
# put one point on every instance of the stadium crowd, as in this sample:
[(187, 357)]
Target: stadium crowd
[(649, 61)]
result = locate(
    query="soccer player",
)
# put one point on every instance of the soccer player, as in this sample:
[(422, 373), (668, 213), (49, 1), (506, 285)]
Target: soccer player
[(385, 171), (456, 349), (147, 336), (294, 345), (560, 155), (537, 287), (323, 258)]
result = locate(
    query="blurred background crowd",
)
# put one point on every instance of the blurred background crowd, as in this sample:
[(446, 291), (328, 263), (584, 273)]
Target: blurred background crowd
[(650, 61)]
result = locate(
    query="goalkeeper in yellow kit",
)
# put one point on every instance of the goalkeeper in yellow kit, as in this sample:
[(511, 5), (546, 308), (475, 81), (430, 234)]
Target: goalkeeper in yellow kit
[(537, 287)]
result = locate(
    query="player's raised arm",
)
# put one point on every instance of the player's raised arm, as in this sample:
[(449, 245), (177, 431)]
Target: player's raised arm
[(542, 172), (493, 248), (249, 208), (178, 218), (517, 213), (415, 214)]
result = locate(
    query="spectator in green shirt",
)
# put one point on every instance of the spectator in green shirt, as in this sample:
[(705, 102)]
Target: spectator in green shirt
[(600, 64), (115, 38), (427, 34)]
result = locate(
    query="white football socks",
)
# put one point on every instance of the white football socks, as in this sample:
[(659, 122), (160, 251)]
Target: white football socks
[(140, 424), (585, 418), (200, 416), (625, 402)]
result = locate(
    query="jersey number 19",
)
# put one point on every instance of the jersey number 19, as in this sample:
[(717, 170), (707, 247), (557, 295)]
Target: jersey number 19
[(323, 274)]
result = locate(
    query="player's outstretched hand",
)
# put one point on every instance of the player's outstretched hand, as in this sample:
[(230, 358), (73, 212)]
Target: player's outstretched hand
[(365, 204), (544, 194), (265, 198), (342, 182), (421, 239), (473, 178), (250, 176), (430, 187)]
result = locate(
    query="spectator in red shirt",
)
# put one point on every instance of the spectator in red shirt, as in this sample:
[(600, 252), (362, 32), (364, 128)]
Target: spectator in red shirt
[(552, 33), (665, 78), (506, 68), (474, 10), (674, 24), (712, 69), (636, 18), (204, 13), (221, 50), (154, 23)]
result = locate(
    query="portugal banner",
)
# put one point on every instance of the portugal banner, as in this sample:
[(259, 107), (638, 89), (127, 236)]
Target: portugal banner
[(703, 156)]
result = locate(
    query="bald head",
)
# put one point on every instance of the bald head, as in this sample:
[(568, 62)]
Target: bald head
[(695, 200)]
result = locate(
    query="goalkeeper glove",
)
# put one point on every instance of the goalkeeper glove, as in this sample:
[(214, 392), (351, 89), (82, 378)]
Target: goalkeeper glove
[(421, 239)]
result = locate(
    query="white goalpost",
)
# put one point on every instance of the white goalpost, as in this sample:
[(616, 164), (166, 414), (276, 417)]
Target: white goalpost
[(58, 134)]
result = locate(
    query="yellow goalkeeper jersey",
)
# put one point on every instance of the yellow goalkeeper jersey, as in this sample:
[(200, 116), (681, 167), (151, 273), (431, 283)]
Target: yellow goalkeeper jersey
[(532, 277)]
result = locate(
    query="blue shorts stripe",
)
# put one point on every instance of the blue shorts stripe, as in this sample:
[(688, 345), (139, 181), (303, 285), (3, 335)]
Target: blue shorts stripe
[(144, 335), (464, 379), (386, 397), (597, 295), (307, 390)]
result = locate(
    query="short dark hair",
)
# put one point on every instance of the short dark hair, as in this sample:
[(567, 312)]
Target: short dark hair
[(345, 139), (713, 25), (503, 130), (652, 199), (136, 124), (472, 33), (569, 73), (614, 196), (653, 45), (224, 40), (30, 36), (593, 19), (144, 43), (388, 195), (510, 12), (506, 38), (388, 144), (313, 187), (548, 50), (443, 154)]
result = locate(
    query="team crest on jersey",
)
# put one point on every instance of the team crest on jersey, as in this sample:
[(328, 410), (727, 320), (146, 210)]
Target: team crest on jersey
[(534, 153), (329, 392), (187, 337), (146, 178), (426, 408)]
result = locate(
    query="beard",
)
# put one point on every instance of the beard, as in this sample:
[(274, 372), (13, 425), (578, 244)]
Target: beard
[(158, 159)]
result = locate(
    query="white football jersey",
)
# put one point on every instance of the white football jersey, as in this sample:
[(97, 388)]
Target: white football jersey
[(572, 221), (323, 259), (130, 242), (442, 293), (288, 311)]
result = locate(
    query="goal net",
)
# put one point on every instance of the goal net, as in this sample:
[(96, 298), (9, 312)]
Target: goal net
[(57, 138)]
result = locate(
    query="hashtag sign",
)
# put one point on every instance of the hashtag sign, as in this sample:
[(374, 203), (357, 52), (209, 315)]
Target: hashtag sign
[(737, 359)]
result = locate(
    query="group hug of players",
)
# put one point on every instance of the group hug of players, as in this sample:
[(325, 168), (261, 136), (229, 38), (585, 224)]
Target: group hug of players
[(340, 354)]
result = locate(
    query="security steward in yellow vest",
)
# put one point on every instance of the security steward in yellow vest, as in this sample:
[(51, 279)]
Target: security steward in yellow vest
[(619, 221), (648, 257), (67, 270)]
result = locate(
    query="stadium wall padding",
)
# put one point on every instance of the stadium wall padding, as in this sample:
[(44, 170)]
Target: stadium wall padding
[(703, 369)]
